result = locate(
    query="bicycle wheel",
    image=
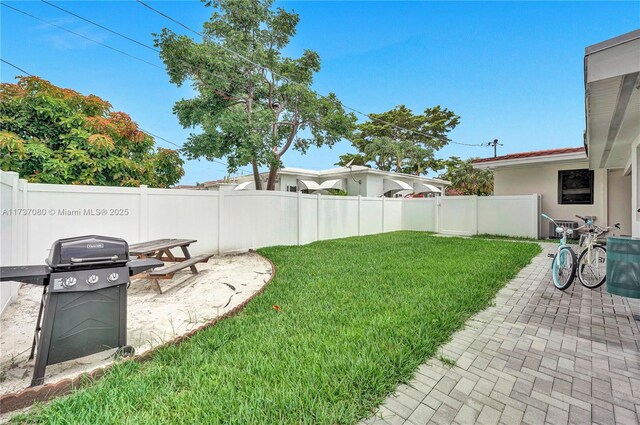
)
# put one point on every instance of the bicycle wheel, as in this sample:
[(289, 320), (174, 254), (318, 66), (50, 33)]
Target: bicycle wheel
[(592, 269), (563, 268)]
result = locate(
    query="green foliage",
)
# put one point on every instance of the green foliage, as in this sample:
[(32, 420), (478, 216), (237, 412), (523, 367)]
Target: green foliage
[(465, 179), (248, 113), (50, 134), (390, 148), (353, 159), (357, 317)]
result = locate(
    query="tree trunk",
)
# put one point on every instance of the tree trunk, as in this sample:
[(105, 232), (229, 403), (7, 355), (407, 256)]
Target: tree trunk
[(273, 172), (273, 168), (398, 165), (256, 175)]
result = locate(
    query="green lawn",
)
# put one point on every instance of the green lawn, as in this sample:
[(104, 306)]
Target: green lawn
[(509, 238), (358, 316)]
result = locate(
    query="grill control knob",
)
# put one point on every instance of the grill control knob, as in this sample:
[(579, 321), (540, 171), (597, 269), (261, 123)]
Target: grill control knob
[(69, 282), (113, 277), (92, 280)]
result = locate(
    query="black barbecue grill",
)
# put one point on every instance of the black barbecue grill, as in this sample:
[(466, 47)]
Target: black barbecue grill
[(84, 302)]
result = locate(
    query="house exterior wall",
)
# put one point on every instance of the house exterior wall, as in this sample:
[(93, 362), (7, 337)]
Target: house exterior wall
[(543, 179), (354, 188), (374, 185), (227, 186), (619, 201), (287, 181)]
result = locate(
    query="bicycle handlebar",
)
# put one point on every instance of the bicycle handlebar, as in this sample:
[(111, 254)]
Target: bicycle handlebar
[(565, 229), (602, 230)]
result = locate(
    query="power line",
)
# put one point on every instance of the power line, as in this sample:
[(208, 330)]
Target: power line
[(155, 136), (143, 45), (170, 18), (175, 144), (82, 36), (16, 67), (161, 138), (223, 47), (195, 32), (100, 26), (208, 37), (109, 47), (119, 34), (293, 82)]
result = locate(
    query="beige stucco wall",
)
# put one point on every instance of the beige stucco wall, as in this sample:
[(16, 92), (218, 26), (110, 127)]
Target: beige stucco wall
[(543, 179)]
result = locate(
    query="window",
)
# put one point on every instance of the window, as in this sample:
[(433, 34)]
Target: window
[(292, 188), (575, 186)]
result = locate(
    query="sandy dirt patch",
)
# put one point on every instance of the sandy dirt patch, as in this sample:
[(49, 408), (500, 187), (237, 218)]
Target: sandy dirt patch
[(187, 302)]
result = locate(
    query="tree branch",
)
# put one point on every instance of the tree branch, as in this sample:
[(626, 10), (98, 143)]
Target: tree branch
[(290, 139), (213, 89)]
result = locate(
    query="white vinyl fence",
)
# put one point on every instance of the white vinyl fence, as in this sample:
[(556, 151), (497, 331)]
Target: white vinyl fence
[(490, 215), (34, 215), (12, 242)]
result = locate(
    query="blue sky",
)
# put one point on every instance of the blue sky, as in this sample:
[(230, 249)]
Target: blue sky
[(512, 71)]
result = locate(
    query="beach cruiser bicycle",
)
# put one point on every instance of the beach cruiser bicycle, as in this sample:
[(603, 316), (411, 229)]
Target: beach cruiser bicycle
[(592, 261), (564, 265)]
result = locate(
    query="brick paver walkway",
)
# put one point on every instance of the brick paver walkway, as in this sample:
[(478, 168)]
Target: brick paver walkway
[(538, 356)]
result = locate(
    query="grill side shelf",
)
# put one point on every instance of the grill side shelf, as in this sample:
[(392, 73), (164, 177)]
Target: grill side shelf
[(142, 265), (35, 275)]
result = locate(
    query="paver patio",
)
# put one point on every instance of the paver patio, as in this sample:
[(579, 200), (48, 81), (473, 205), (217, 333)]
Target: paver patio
[(538, 356)]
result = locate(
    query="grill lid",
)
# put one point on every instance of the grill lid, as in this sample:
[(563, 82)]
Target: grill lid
[(88, 251)]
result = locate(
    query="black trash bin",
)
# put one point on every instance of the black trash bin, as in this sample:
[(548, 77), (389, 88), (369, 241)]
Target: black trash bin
[(623, 266)]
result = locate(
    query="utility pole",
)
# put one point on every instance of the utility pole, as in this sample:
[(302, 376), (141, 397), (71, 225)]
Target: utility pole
[(495, 145)]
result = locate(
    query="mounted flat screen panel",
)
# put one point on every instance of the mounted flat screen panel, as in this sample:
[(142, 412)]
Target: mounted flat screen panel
[(575, 187)]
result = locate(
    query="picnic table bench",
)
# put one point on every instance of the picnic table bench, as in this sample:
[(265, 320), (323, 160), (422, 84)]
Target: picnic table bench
[(161, 249)]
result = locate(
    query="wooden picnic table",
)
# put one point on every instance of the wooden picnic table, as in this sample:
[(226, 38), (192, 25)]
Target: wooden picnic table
[(161, 249)]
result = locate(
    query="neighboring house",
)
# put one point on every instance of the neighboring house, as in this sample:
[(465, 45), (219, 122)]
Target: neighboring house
[(356, 180), (602, 178), (566, 184), (189, 186)]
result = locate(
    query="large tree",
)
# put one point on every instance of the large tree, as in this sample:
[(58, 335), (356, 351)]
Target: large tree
[(50, 134), (399, 140), (253, 103), (465, 179)]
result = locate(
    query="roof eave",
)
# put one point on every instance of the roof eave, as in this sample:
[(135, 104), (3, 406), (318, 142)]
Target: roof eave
[(360, 170), (402, 175), (564, 157), (612, 42)]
